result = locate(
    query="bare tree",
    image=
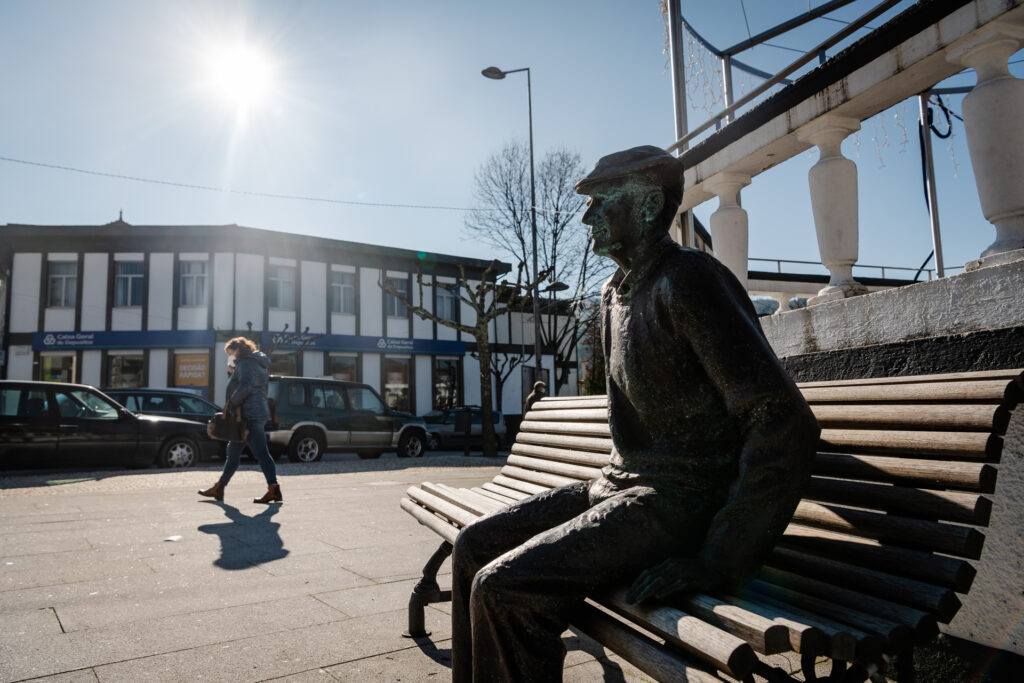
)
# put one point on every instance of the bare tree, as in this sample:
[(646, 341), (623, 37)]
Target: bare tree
[(484, 298), (502, 189)]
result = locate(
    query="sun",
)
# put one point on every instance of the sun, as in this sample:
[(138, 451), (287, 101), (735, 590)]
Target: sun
[(241, 75)]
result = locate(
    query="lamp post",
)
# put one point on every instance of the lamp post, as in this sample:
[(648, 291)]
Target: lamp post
[(497, 74)]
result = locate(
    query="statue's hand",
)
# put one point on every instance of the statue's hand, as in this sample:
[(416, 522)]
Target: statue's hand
[(674, 575)]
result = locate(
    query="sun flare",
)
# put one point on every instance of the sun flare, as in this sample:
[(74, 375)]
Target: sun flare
[(241, 75)]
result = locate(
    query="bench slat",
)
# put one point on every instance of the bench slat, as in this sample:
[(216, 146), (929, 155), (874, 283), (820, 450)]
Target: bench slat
[(764, 635), (541, 480), (940, 570), (996, 391), (523, 488), (941, 601), (558, 414), (579, 443), (467, 500), (457, 514), (558, 402), (1008, 375), (504, 500), (584, 458), (809, 634), (951, 539), (960, 417), (886, 610), (514, 494), (578, 428), (560, 468), (955, 506), (430, 520), (969, 476), (968, 445), (723, 650), (650, 657)]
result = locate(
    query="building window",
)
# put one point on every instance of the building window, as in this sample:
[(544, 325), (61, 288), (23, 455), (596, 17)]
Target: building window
[(397, 374), (446, 383), (125, 371), (392, 305), (343, 292), (281, 293), (63, 287), (344, 366), (57, 368), (284, 364), (192, 289), (447, 301), (128, 283)]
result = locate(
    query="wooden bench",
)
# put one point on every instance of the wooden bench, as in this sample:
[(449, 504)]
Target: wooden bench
[(872, 561)]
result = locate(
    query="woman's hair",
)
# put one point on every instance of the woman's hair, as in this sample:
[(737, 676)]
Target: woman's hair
[(242, 345)]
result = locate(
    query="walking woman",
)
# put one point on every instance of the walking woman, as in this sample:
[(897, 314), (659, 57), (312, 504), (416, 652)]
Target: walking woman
[(247, 390)]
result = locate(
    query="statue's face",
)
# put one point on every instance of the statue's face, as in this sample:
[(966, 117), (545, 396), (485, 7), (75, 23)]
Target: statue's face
[(610, 216)]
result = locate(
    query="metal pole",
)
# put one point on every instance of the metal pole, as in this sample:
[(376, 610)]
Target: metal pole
[(533, 236), (727, 86), (675, 47), (929, 181)]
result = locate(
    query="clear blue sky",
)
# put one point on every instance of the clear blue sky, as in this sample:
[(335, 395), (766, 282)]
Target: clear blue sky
[(384, 102)]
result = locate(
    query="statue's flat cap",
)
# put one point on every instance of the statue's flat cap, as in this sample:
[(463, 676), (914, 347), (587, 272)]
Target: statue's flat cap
[(648, 162)]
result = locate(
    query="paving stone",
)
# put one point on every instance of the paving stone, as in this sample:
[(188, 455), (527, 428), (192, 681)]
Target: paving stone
[(372, 599), (80, 676), (429, 661)]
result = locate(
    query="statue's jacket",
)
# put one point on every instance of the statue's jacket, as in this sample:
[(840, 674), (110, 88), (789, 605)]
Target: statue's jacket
[(700, 407)]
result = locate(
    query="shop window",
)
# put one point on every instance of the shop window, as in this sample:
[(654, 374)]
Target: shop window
[(397, 373), (281, 290), (192, 283), (446, 383), (128, 283), (343, 292), (63, 284), (393, 306), (57, 368), (125, 371), (344, 367), (447, 302), (284, 364)]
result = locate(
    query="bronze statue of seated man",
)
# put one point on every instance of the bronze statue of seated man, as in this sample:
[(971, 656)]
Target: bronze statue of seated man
[(712, 444)]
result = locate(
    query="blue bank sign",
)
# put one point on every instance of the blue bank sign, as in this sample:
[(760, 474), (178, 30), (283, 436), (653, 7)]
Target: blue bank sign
[(122, 339), (360, 344)]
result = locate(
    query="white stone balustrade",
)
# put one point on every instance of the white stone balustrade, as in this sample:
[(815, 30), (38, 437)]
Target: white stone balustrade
[(833, 186), (729, 224), (993, 112)]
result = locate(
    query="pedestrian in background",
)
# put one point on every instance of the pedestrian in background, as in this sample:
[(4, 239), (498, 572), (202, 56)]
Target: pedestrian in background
[(539, 392), (247, 392)]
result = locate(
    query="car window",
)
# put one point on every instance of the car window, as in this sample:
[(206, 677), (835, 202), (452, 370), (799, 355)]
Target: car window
[(85, 405), (23, 403), (334, 398), (475, 417), (316, 397), (193, 405), (164, 404), (296, 395), (362, 398), (131, 402)]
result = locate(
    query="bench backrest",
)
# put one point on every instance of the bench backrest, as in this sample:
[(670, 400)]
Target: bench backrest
[(894, 510)]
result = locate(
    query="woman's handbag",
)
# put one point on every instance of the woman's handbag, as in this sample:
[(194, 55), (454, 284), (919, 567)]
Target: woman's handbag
[(227, 426)]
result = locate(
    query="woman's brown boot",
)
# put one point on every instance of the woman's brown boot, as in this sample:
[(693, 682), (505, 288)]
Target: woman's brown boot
[(216, 492), (273, 495)]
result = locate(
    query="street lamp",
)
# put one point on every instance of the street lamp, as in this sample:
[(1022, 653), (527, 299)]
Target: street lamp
[(497, 74)]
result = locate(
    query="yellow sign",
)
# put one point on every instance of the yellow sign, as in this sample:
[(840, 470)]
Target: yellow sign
[(192, 370)]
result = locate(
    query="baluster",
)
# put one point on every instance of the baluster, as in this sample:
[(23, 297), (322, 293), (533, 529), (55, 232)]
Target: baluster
[(729, 224)]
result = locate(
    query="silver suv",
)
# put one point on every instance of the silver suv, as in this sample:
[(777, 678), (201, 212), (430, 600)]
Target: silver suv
[(310, 416)]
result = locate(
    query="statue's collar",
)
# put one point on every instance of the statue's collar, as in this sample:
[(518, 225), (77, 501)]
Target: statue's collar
[(626, 282)]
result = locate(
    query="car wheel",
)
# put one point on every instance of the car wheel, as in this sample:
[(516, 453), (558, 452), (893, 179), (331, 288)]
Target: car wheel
[(411, 445), (306, 446), (179, 451), (433, 443), (368, 455)]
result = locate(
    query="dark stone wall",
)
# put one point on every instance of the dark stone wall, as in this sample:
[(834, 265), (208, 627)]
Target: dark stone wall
[(987, 350)]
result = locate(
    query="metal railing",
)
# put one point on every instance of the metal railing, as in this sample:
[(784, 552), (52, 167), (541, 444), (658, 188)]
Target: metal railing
[(881, 269)]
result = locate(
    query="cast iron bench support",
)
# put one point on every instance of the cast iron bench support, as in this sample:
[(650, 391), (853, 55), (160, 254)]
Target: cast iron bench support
[(427, 591)]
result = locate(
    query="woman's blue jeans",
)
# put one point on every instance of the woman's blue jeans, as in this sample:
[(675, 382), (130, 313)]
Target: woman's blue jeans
[(257, 443)]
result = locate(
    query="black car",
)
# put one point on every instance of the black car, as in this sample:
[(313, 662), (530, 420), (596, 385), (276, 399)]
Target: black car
[(444, 428), (71, 424), (168, 402)]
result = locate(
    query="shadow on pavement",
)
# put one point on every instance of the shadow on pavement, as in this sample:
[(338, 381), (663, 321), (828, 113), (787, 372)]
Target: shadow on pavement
[(246, 541)]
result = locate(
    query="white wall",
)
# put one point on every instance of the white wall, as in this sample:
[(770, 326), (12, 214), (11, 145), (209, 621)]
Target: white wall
[(249, 291), (467, 314), (314, 297), (278, 318), (19, 362), (371, 305), (161, 288), (26, 271), (193, 317), (92, 363), (422, 329), (424, 384), (343, 323), (471, 380), (59, 319), (312, 363), (219, 374), (446, 333), (129, 318), (223, 290), (158, 366), (371, 370), (94, 293)]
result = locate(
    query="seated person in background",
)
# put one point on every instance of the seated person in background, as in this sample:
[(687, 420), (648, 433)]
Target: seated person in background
[(712, 444)]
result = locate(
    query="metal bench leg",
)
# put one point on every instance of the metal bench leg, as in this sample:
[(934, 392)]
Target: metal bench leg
[(427, 591)]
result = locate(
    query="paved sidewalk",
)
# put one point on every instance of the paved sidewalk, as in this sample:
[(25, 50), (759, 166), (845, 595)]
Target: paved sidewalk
[(129, 576)]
